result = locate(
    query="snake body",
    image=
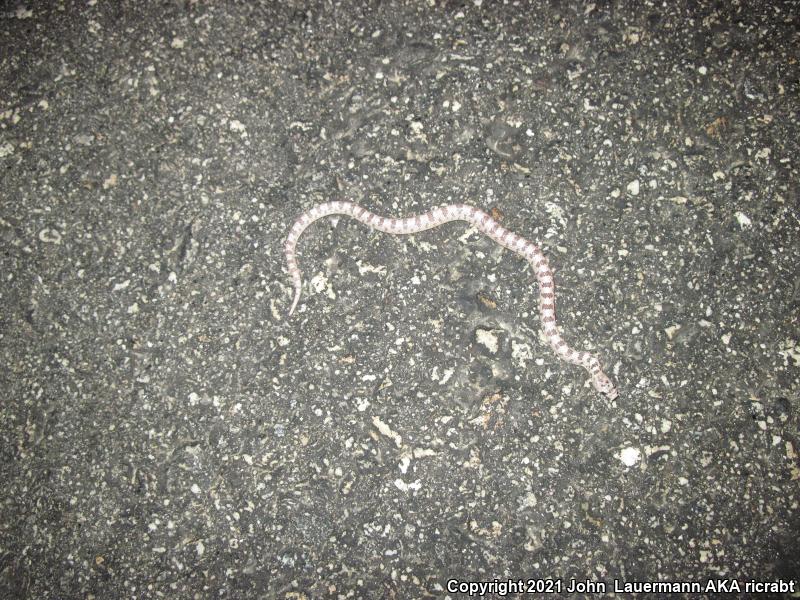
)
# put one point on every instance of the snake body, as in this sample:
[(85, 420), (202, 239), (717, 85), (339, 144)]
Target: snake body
[(487, 225)]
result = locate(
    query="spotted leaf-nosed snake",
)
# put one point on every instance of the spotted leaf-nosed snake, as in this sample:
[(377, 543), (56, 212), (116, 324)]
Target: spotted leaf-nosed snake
[(486, 224)]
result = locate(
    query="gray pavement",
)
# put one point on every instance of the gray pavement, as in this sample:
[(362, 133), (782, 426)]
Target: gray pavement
[(167, 432)]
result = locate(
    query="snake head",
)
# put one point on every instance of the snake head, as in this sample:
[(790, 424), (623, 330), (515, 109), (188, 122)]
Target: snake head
[(604, 385)]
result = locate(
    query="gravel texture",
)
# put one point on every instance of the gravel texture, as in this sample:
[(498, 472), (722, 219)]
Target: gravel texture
[(166, 431)]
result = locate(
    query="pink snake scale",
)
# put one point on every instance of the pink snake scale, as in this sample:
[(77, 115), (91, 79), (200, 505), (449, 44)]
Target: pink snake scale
[(486, 224)]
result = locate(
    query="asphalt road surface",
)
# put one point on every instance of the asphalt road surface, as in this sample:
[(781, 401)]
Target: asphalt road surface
[(167, 432)]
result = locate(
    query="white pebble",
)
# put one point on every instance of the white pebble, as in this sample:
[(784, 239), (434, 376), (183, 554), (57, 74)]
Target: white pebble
[(630, 456), (743, 220), (488, 339)]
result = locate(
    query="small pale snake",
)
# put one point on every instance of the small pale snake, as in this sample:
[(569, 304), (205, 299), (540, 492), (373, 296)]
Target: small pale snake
[(484, 223)]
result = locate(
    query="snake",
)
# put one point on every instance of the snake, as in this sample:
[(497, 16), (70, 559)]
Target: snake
[(486, 224)]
